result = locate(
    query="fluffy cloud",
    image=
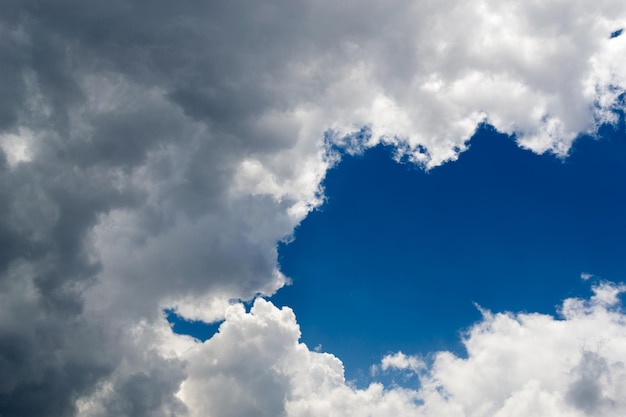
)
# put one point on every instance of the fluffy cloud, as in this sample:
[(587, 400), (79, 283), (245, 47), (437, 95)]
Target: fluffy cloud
[(399, 362), (516, 365), (151, 155)]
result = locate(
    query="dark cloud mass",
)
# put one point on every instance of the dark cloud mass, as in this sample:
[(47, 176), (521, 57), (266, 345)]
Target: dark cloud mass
[(86, 90), (153, 153)]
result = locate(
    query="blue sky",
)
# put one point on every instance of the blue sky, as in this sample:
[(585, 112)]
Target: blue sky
[(397, 256)]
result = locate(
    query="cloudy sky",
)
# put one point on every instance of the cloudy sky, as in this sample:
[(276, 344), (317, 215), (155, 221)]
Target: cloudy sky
[(312, 208)]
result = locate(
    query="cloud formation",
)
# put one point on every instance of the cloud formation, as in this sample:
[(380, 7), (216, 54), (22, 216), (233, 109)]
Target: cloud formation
[(516, 365), (152, 155)]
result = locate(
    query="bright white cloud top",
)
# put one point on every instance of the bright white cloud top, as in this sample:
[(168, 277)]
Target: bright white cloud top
[(154, 154)]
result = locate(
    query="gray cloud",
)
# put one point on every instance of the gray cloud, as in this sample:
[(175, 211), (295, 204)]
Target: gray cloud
[(585, 392)]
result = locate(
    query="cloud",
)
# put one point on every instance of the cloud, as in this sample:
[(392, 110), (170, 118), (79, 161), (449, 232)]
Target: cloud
[(401, 362), (586, 276), (516, 365), (279, 375), (151, 156)]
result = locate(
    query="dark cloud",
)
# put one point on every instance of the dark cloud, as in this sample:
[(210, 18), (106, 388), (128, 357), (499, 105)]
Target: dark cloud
[(586, 392), (147, 393), (49, 355), (88, 83)]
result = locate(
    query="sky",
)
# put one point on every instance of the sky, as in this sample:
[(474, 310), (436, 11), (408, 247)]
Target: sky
[(399, 267), (300, 209)]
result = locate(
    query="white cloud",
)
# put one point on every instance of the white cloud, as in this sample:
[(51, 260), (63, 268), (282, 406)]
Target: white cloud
[(399, 361), (516, 365), (16, 147), (255, 366)]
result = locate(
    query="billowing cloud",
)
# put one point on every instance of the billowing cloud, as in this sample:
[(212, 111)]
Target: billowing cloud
[(516, 365), (152, 155)]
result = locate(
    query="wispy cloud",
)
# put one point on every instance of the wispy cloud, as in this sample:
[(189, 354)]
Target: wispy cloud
[(586, 276)]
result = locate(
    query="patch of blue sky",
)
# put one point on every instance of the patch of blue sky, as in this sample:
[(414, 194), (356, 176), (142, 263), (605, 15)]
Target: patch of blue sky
[(616, 33), (397, 256), (194, 328)]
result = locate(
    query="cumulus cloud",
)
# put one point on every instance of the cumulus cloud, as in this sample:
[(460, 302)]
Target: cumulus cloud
[(401, 362), (516, 365), (152, 155)]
